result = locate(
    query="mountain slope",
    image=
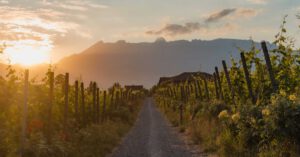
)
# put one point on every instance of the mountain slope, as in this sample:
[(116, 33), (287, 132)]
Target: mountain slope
[(144, 63)]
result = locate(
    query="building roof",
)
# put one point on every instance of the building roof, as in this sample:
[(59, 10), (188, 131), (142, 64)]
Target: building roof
[(134, 87), (183, 77)]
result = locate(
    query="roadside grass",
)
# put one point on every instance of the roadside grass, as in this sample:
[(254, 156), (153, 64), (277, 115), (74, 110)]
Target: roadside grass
[(93, 140)]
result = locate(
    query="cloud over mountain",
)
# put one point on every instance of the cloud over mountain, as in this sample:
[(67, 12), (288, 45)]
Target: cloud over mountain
[(206, 25), (177, 29), (219, 15)]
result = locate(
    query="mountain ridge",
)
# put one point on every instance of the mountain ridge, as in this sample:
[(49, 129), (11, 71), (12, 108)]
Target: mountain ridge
[(144, 62)]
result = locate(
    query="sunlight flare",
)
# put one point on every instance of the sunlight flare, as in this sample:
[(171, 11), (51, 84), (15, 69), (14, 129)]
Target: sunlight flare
[(27, 53)]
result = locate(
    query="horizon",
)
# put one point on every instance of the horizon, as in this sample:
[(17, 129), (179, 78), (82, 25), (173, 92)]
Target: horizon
[(98, 62), (128, 42)]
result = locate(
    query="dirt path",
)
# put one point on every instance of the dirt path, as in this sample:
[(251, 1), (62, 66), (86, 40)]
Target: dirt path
[(151, 137)]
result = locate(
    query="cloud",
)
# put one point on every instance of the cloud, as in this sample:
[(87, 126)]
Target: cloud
[(36, 29), (74, 5), (233, 13), (245, 12), (219, 15), (207, 24), (46, 19), (258, 1), (176, 29), (4, 2)]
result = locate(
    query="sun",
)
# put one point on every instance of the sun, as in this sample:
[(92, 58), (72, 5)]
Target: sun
[(27, 54)]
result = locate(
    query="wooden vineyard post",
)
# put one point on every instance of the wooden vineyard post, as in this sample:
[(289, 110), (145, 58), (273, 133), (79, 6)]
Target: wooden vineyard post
[(98, 106), (196, 90), (186, 93), (181, 104), (117, 99), (164, 100), (76, 100), (51, 100), (170, 94), (191, 89), (219, 83), (174, 91), (66, 108), (24, 113), (93, 109), (104, 106), (199, 91), (121, 95), (269, 65), (112, 98), (216, 86), (82, 103), (175, 97), (206, 89), (228, 79), (247, 77)]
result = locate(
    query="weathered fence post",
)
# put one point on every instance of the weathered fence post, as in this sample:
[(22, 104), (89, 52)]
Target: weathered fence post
[(269, 65), (247, 77), (196, 90), (104, 106), (121, 94), (51, 100), (112, 104), (181, 104), (174, 91), (228, 79), (117, 99), (93, 110), (76, 100), (187, 93), (66, 108), (219, 83), (199, 91), (206, 89), (25, 113), (98, 106), (82, 103), (191, 89), (216, 86)]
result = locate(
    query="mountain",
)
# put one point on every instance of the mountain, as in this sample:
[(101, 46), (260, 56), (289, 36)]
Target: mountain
[(145, 62)]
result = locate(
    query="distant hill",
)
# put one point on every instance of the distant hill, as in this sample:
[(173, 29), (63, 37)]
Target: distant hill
[(144, 63)]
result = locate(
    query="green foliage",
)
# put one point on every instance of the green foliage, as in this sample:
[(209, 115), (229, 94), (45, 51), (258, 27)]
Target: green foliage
[(80, 136), (236, 127)]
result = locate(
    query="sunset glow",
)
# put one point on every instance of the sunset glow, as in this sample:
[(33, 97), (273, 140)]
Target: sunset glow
[(35, 30), (27, 54)]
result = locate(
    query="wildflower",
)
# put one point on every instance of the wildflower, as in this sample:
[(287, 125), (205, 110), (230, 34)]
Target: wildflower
[(282, 93), (265, 112), (273, 99), (292, 97), (236, 117), (223, 114)]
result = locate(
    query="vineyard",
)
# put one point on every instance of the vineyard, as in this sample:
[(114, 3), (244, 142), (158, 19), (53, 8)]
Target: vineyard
[(249, 109), (53, 117)]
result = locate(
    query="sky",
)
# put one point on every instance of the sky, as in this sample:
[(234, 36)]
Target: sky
[(48, 30)]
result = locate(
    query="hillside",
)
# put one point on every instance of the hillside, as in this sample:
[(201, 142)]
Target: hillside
[(144, 63)]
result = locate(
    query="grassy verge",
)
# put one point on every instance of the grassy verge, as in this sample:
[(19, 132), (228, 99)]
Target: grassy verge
[(93, 140), (248, 131)]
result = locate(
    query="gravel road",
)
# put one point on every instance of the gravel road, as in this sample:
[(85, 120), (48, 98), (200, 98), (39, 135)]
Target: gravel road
[(151, 136)]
